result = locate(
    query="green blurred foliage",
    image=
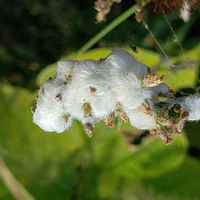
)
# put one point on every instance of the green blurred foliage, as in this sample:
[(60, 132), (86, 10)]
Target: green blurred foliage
[(73, 166)]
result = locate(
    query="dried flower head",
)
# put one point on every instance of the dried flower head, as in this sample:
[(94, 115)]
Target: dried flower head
[(103, 7), (166, 6)]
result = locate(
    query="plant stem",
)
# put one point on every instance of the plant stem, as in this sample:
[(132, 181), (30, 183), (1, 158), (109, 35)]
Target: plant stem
[(108, 28), (16, 189)]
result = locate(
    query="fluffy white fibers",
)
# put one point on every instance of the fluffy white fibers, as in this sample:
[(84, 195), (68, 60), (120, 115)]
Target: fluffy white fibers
[(90, 91), (140, 119), (49, 113), (162, 88), (122, 61), (64, 69), (191, 104)]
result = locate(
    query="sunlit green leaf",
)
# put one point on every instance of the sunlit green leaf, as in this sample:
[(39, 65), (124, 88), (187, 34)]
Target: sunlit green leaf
[(147, 160), (182, 183)]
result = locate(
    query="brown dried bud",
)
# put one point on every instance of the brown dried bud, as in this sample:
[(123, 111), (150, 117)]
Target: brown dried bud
[(66, 117), (33, 108), (118, 106), (68, 77), (58, 97), (184, 115), (110, 120), (88, 129), (103, 7), (151, 80), (167, 6), (149, 70), (168, 140), (92, 89), (164, 136), (87, 110), (40, 92), (147, 110), (177, 108), (171, 94), (138, 16), (152, 131), (123, 117), (133, 48)]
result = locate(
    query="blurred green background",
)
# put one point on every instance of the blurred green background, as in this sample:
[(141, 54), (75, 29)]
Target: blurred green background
[(119, 164)]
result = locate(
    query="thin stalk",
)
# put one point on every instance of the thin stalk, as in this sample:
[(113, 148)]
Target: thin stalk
[(109, 28), (157, 43), (17, 190), (173, 32)]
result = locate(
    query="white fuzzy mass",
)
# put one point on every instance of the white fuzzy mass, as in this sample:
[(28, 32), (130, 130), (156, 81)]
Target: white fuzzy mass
[(90, 90), (191, 104)]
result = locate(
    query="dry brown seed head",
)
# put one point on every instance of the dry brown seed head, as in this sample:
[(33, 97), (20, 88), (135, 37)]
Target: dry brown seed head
[(177, 108), (110, 120), (139, 11), (68, 77), (149, 70), (103, 7), (118, 106), (33, 108), (195, 4), (152, 131), (173, 122), (168, 140), (88, 129), (179, 128), (162, 136), (168, 123), (147, 110), (184, 115), (133, 48), (139, 15), (40, 92), (92, 89), (66, 117), (87, 110), (123, 117), (151, 80), (58, 97), (171, 94), (165, 137), (168, 6), (162, 77)]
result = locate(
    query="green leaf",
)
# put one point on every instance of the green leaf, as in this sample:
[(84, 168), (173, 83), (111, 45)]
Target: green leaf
[(182, 182), (150, 159), (45, 74), (147, 161)]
